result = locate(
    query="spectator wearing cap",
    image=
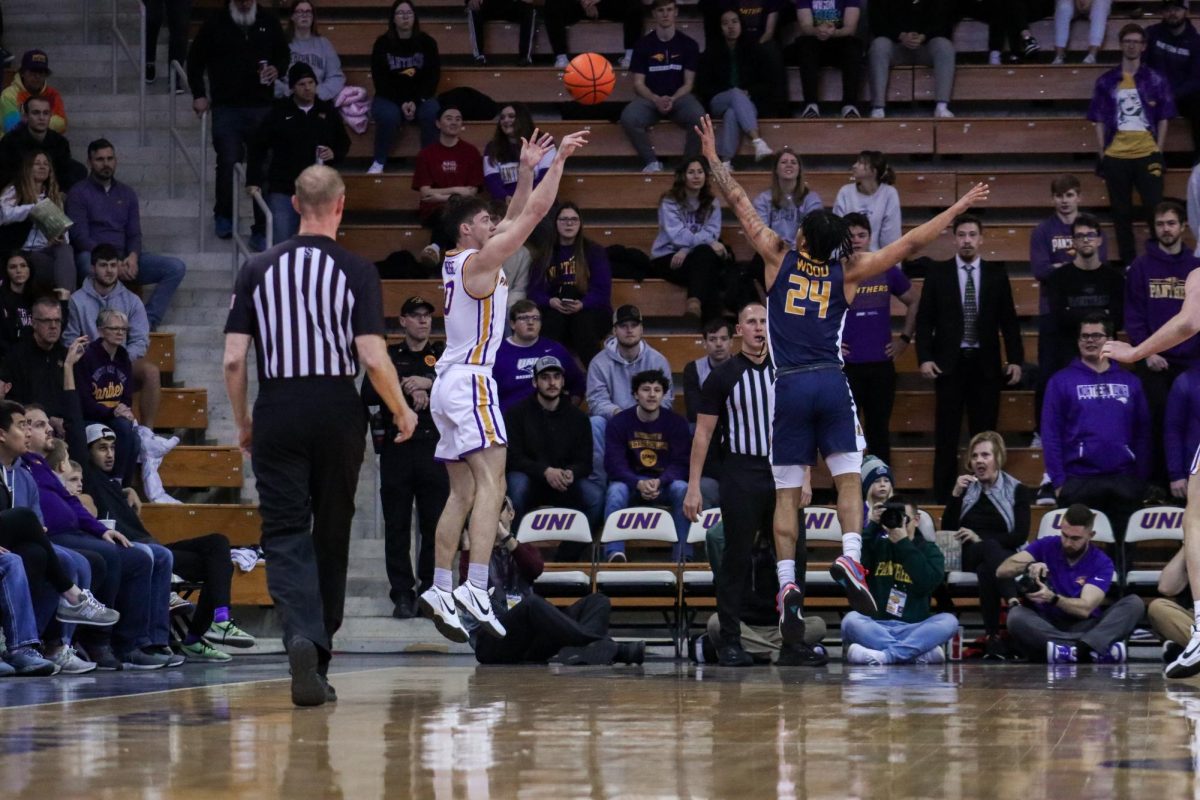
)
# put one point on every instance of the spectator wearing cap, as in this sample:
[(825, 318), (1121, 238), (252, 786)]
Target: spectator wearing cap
[(608, 375), (242, 51), (646, 453), (447, 168), (1173, 49), (517, 355), (30, 81), (105, 211), (300, 131), (550, 449), (408, 472)]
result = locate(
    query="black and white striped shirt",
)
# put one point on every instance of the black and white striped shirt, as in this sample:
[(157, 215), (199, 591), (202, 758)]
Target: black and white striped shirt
[(737, 393), (303, 302)]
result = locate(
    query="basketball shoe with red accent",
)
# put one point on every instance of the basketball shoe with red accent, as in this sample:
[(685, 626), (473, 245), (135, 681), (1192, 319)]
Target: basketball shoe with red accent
[(791, 614), (852, 577)]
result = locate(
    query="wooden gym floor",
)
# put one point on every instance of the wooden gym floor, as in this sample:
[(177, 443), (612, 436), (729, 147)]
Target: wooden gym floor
[(442, 727)]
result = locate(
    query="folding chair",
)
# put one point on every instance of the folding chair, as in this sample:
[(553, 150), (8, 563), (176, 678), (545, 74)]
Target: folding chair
[(546, 526), (641, 585), (1157, 524)]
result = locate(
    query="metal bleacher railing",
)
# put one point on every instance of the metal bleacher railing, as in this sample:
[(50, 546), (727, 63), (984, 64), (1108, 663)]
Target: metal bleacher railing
[(178, 79)]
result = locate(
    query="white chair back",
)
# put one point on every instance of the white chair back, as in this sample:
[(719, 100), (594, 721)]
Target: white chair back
[(699, 529), (821, 524), (1160, 523), (639, 524), (554, 525), (1052, 525)]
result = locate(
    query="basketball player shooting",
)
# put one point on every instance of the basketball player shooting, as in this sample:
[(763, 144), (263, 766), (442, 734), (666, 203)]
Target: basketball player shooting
[(1176, 330), (464, 403), (809, 290)]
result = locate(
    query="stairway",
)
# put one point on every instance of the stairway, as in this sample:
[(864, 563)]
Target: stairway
[(83, 73)]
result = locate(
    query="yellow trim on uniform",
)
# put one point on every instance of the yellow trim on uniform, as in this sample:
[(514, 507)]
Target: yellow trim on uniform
[(485, 411), (484, 333), (462, 271)]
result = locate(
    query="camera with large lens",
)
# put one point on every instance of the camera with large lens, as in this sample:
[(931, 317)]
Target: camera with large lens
[(1027, 584), (893, 516)]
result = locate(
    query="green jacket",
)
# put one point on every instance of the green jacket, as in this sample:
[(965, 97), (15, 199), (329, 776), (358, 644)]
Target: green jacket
[(913, 566)]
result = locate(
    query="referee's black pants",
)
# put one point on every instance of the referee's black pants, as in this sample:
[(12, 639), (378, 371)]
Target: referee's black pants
[(307, 448), (747, 507)]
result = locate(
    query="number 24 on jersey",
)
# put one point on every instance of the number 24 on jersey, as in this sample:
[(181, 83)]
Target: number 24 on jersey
[(806, 294)]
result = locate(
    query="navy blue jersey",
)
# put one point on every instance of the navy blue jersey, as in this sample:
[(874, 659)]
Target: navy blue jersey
[(806, 309)]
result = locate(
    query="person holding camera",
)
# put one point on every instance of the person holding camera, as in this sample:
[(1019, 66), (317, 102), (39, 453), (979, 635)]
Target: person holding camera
[(1062, 581), (904, 568), (988, 511), (536, 631)]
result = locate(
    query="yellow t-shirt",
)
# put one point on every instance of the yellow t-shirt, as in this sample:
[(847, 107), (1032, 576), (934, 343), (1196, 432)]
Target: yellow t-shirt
[(1133, 139)]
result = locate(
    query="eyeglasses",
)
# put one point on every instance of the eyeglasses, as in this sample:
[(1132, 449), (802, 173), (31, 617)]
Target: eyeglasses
[(116, 328), (1092, 337), (48, 320), (529, 318)]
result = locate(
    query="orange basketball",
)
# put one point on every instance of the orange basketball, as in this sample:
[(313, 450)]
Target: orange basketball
[(589, 78)]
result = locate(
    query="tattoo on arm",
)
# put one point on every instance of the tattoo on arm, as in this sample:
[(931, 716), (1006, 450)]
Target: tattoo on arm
[(764, 239)]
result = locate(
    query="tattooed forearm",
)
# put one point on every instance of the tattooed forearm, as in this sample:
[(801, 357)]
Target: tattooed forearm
[(762, 237)]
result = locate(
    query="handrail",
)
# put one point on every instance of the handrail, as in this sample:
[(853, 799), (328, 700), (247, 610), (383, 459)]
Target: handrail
[(176, 78), (138, 61), (241, 248)]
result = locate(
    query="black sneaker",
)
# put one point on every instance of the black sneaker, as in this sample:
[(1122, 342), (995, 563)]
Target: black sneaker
[(1046, 496), (631, 652), (308, 687), (791, 614), (701, 650), (151, 73), (1170, 652), (1029, 46), (597, 653), (330, 692), (996, 649), (802, 655), (732, 655), (104, 658), (406, 608)]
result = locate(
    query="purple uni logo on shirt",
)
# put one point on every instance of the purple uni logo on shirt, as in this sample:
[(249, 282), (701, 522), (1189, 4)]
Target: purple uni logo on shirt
[(551, 522), (641, 519)]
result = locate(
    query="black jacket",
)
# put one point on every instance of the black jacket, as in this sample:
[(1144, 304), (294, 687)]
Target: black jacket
[(19, 142), (16, 316), (715, 73), (538, 439), (292, 136), (890, 18), (940, 317), (230, 54), (36, 375), (405, 70), (409, 363)]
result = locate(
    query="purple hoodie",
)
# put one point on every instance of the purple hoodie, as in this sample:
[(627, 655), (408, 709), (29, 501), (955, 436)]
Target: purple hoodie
[(61, 511), (1095, 423), (1154, 294), (547, 279), (1181, 424), (1155, 92), (635, 450), (103, 381)]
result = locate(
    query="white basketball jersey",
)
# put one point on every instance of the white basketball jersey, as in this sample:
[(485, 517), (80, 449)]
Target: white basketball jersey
[(474, 325)]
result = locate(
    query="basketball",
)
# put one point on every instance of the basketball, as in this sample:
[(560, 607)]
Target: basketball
[(589, 78)]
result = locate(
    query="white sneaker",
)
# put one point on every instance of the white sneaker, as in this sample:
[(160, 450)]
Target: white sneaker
[(865, 656), (653, 166), (375, 169), (439, 606), (877, 113), (69, 662), (152, 483), (1187, 663), (1058, 61), (811, 111), (1090, 58), (850, 112), (728, 165), (762, 150), (994, 58), (561, 62), (153, 445), (941, 112), (1036, 444), (476, 603), (935, 656)]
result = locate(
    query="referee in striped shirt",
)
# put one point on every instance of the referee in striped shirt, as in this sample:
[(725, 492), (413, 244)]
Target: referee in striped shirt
[(313, 311), (734, 402)]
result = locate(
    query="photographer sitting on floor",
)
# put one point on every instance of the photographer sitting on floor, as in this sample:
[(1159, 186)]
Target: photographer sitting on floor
[(1062, 581)]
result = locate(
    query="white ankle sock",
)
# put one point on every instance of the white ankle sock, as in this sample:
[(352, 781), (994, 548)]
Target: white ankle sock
[(786, 570), (442, 580), (852, 546), (477, 574)]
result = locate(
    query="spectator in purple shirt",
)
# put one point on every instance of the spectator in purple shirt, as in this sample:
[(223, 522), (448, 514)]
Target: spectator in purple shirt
[(646, 454), (1181, 426), (1095, 436), (105, 211), (502, 155), (517, 355), (572, 286), (868, 350), (664, 72), (1061, 622)]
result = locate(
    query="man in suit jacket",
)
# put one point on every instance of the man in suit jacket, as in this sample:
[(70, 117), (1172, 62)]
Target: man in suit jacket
[(966, 307)]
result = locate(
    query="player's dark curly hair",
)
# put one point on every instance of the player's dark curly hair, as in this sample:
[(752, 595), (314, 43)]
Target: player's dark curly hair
[(826, 235)]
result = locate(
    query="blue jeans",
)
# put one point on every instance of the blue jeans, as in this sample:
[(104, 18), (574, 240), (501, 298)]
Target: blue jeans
[(45, 599), (900, 641), (16, 606), (126, 586), (160, 591), (599, 476), (582, 495), (389, 119), (620, 496), (165, 272), (285, 220)]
